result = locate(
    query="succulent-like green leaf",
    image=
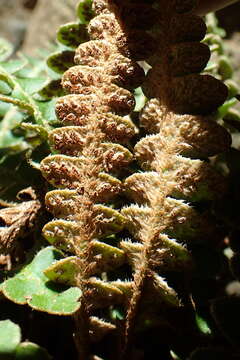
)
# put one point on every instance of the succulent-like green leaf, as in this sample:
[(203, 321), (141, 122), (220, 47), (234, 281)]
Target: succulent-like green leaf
[(72, 34), (10, 337), (30, 286), (12, 349), (30, 351)]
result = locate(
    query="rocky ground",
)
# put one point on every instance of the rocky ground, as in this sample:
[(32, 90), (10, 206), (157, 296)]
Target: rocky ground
[(32, 24)]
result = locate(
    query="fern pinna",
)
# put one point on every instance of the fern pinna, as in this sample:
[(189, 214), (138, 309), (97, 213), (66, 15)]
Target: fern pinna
[(88, 158), (181, 136)]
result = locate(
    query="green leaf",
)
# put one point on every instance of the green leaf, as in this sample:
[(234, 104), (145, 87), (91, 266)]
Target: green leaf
[(5, 89), (233, 88), (223, 110), (35, 66), (202, 325), (6, 49), (25, 78), (31, 85), (12, 66), (47, 109), (8, 140), (62, 61), (30, 286), (30, 351), (72, 34), (10, 337), (11, 349), (4, 107), (4, 76), (19, 93), (225, 68), (84, 11)]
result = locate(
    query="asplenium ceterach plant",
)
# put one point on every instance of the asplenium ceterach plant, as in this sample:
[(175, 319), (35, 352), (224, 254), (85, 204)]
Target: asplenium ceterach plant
[(113, 264)]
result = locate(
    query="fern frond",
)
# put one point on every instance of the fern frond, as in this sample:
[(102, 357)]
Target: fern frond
[(181, 129), (87, 160)]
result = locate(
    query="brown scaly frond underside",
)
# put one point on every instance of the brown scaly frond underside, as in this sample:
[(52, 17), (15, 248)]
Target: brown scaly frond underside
[(180, 126), (88, 158)]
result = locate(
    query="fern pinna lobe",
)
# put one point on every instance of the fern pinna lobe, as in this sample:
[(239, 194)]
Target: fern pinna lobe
[(181, 129), (88, 158)]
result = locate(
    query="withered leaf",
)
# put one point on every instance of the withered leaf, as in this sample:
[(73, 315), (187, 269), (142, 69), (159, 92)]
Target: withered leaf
[(17, 221)]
